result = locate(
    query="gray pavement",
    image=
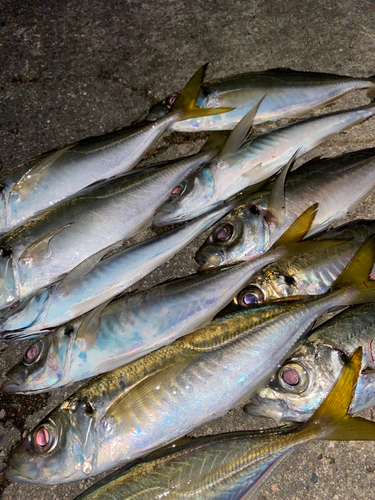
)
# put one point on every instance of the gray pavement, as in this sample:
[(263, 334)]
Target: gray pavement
[(74, 69)]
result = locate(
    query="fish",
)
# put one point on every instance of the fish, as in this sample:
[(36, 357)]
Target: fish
[(248, 162), (121, 415), (247, 231), (305, 274), (122, 330), (43, 250), (300, 385), (94, 282), (236, 464), (39, 184), (291, 94)]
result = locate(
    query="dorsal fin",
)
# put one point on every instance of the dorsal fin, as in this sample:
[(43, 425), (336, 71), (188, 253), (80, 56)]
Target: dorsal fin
[(240, 133), (276, 206)]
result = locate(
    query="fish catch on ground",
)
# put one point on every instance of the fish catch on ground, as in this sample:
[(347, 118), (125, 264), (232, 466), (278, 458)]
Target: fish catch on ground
[(121, 415), (247, 231)]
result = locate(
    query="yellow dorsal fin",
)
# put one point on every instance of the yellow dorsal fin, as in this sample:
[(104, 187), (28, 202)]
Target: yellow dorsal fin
[(185, 102)]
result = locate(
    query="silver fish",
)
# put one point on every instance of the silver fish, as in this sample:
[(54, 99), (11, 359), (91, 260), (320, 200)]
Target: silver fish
[(39, 184), (123, 414), (46, 248), (304, 380), (131, 326), (94, 283), (291, 94), (306, 274), (234, 465), (246, 231), (247, 162)]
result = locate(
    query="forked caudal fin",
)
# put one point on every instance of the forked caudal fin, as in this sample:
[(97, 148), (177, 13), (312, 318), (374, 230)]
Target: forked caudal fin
[(185, 106), (331, 420), (290, 240), (356, 274)]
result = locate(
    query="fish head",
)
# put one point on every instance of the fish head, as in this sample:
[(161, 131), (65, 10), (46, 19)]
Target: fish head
[(60, 449), (188, 200), (44, 363), (300, 384), (242, 235), (22, 317), (161, 108), (269, 285)]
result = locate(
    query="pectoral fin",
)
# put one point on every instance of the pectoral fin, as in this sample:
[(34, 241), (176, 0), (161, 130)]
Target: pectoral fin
[(83, 268), (135, 405), (89, 328), (29, 181), (39, 248)]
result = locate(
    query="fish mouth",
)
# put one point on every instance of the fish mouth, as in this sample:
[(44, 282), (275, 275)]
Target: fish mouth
[(260, 407), (16, 473), (10, 386), (166, 217), (208, 260)]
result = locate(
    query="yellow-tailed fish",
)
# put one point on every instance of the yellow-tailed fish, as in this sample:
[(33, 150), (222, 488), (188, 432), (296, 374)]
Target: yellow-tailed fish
[(248, 230), (152, 401), (39, 184), (291, 94), (300, 385), (236, 465)]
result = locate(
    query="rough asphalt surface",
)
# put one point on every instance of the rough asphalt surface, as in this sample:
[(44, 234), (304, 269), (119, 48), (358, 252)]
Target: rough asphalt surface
[(74, 69)]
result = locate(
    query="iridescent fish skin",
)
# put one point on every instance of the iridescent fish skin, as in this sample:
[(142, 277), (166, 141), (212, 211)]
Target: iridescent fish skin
[(316, 365), (291, 94), (39, 184), (307, 274), (329, 182), (128, 327), (234, 465), (257, 160), (123, 414), (46, 248)]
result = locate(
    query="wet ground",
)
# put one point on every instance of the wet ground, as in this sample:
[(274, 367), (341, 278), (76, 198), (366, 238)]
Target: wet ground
[(75, 69)]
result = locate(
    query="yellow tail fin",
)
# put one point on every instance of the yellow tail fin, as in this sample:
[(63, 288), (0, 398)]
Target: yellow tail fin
[(185, 102), (291, 238), (356, 273), (331, 419)]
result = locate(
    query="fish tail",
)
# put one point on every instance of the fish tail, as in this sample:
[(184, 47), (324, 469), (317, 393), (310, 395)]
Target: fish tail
[(185, 102), (291, 242), (331, 420), (356, 274)]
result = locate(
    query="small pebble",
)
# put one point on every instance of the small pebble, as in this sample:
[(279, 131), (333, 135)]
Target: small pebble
[(2, 414), (314, 478)]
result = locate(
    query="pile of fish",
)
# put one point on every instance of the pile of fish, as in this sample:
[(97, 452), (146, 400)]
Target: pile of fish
[(267, 273)]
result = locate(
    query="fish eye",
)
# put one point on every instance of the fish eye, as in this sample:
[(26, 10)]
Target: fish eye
[(179, 189), (250, 296), (6, 251), (44, 437), (33, 353), (171, 99), (223, 233), (293, 377)]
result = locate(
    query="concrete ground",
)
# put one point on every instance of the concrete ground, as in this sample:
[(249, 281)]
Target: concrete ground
[(75, 69)]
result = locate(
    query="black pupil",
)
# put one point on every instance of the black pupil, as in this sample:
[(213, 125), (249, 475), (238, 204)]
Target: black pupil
[(254, 210), (224, 233)]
